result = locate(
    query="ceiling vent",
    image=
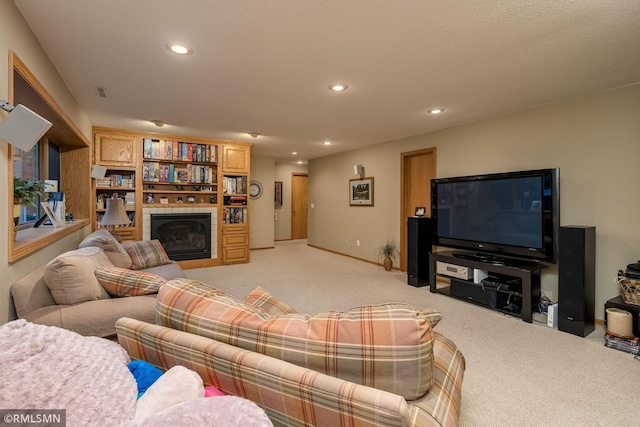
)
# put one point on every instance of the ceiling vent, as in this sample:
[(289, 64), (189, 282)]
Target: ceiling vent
[(101, 92)]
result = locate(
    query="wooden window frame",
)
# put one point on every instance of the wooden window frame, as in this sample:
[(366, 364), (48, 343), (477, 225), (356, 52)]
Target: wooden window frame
[(75, 150)]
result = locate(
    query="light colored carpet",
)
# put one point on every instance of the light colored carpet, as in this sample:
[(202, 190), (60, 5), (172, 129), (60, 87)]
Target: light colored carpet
[(518, 374)]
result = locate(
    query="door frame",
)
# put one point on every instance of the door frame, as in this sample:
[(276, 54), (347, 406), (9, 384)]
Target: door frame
[(405, 182)]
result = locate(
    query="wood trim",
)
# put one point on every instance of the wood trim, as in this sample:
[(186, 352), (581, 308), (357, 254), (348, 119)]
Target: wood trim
[(350, 256), (9, 225), (158, 135), (406, 212), (62, 119), (32, 239), (67, 135), (199, 263)]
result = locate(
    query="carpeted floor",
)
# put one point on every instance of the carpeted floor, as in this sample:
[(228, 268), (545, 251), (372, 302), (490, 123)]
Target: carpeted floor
[(518, 374)]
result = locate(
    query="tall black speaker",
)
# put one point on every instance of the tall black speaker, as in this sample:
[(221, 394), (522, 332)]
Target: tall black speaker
[(576, 280), (419, 242)]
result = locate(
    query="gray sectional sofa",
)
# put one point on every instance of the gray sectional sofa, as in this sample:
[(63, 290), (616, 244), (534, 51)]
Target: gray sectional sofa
[(65, 292)]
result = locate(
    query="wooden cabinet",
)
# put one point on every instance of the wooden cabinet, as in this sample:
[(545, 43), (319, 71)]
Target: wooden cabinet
[(235, 159), (169, 171), (235, 243), (114, 149)]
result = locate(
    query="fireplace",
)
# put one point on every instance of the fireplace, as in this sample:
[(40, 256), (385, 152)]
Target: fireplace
[(184, 236)]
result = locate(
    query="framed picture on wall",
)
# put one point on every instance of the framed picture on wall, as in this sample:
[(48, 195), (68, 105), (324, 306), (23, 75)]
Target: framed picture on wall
[(361, 192), (277, 194)]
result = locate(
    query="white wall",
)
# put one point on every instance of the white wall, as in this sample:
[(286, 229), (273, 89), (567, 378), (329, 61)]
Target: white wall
[(16, 35), (261, 209), (594, 140), (268, 223)]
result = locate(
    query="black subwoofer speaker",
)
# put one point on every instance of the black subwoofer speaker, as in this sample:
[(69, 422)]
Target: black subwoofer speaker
[(419, 243), (576, 280)]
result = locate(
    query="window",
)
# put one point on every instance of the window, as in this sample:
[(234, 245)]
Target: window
[(67, 160), (27, 164)]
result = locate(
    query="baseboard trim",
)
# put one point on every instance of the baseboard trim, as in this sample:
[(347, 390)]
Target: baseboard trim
[(350, 256)]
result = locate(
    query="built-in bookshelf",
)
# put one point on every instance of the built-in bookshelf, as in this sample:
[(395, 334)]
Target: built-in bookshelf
[(118, 182), (176, 172), (234, 200), (161, 173), (235, 212)]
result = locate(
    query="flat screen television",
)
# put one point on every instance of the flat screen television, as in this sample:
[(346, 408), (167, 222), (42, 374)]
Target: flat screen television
[(513, 214)]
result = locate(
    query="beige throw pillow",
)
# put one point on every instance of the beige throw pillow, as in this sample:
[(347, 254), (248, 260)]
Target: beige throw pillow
[(112, 248), (70, 276)]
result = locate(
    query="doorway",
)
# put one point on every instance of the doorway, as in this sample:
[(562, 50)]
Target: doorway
[(417, 169), (299, 205)]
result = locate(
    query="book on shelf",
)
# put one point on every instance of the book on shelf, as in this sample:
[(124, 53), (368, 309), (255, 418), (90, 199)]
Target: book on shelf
[(130, 200), (103, 182), (235, 200), (147, 148), (175, 153), (154, 172), (235, 215), (234, 185), (161, 149)]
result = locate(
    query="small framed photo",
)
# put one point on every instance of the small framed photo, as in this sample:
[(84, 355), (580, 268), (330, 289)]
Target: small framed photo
[(420, 210), (361, 192)]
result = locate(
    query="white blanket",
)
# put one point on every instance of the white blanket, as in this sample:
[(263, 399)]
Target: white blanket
[(45, 367)]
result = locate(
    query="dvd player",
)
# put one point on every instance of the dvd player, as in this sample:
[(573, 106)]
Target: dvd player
[(452, 270)]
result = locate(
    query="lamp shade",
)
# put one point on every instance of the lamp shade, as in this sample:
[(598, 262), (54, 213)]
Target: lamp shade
[(115, 213)]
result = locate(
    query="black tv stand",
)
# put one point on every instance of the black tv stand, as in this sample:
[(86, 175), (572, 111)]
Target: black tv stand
[(525, 274)]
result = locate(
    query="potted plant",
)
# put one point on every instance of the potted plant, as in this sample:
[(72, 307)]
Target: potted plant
[(25, 193), (388, 252)]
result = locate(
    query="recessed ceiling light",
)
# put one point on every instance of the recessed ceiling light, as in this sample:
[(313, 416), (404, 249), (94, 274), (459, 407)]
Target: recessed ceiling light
[(436, 110), (180, 49), (300, 162), (340, 87), (295, 153), (327, 143)]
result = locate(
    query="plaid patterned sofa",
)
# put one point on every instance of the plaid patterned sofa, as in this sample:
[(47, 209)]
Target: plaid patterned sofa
[(193, 319)]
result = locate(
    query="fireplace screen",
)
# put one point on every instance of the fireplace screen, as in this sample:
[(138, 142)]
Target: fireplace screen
[(183, 236)]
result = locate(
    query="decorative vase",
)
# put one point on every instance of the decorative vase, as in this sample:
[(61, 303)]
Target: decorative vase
[(388, 263)]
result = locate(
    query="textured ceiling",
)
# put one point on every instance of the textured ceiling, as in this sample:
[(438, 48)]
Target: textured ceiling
[(265, 66)]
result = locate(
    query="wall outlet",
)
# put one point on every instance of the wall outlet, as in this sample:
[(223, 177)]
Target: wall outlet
[(357, 242)]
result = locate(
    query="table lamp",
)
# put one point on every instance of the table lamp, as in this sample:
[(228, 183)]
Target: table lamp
[(115, 214)]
